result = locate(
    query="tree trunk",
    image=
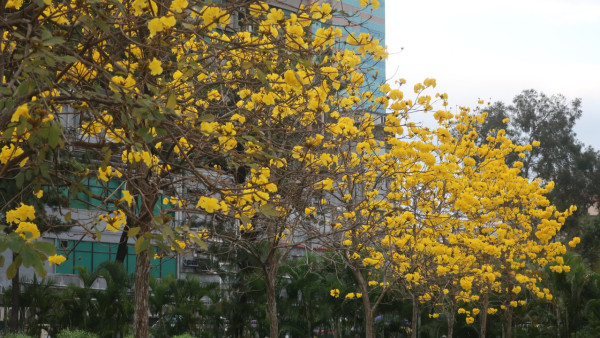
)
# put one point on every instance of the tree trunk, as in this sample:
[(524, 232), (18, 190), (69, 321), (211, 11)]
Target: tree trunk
[(149, 196), (308, 319), (451, 320), (486, 302), (142, 294), (452, 315), (509, 322), (14, 306), (336, 330), (272, 302), (415, 317), (558, 322), (122, 248), (368, 311), (566, 307), (369, 324)]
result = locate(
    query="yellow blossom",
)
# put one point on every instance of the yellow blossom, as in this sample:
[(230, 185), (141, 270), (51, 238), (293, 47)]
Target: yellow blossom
[(22, 110), (573, 243), (180, 244), (114, 220), (127, 197), (56, 259), (214, 95), (155, 67), (28, 231), (155, 26), (10, 152), (22, 213), (178, 5), (210, 204), (168, 21)]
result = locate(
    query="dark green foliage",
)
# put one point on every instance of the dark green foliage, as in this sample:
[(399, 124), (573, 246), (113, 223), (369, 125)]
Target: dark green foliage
[(305, 303), (561, 157), (76, 334), (17, 335), (105, 312), (306, 308), (184, 305)]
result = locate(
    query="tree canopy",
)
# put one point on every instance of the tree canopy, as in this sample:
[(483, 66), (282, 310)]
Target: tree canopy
[(183, 121)]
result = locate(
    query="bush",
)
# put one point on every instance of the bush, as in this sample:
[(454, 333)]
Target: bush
[(76, 334), (17, 335), (185, 335)]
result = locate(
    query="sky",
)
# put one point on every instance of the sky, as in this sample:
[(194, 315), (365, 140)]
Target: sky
[(495, 49)]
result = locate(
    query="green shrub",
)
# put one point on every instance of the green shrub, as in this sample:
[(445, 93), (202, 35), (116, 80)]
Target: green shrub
[(185, 335), (17, 335), (76, 334)]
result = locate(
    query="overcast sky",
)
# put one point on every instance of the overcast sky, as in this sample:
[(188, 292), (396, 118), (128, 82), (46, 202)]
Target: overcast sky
[(495, 49)]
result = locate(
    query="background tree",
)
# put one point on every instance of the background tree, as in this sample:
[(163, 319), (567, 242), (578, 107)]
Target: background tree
[(560, 157)]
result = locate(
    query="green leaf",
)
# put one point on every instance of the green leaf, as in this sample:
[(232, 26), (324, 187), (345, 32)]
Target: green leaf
[(107, 156), (46, 247), (261, 76), (8, 132), (8, 103), (46, 34), (19, 179), (133, 232), (14, 242), (25, 88), (200, 243), (161, 131), (53, 41), (245, 219), (66, 58), (167, 231), (29, 256), (247, 64), (11, 271), (1, 261), (141, 132), (141, 244), (54, 136), (306, 63), (40, 269), (172, 101), (268, 210), (5, 91), (68, 217), (44, 171), (98, 235), (207, 118), (49, 61)]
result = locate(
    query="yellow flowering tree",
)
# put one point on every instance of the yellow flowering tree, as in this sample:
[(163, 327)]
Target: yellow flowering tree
[(500, 227), (153, 115), (370, 206), (457, 223), (508, 226), (209, 111)]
